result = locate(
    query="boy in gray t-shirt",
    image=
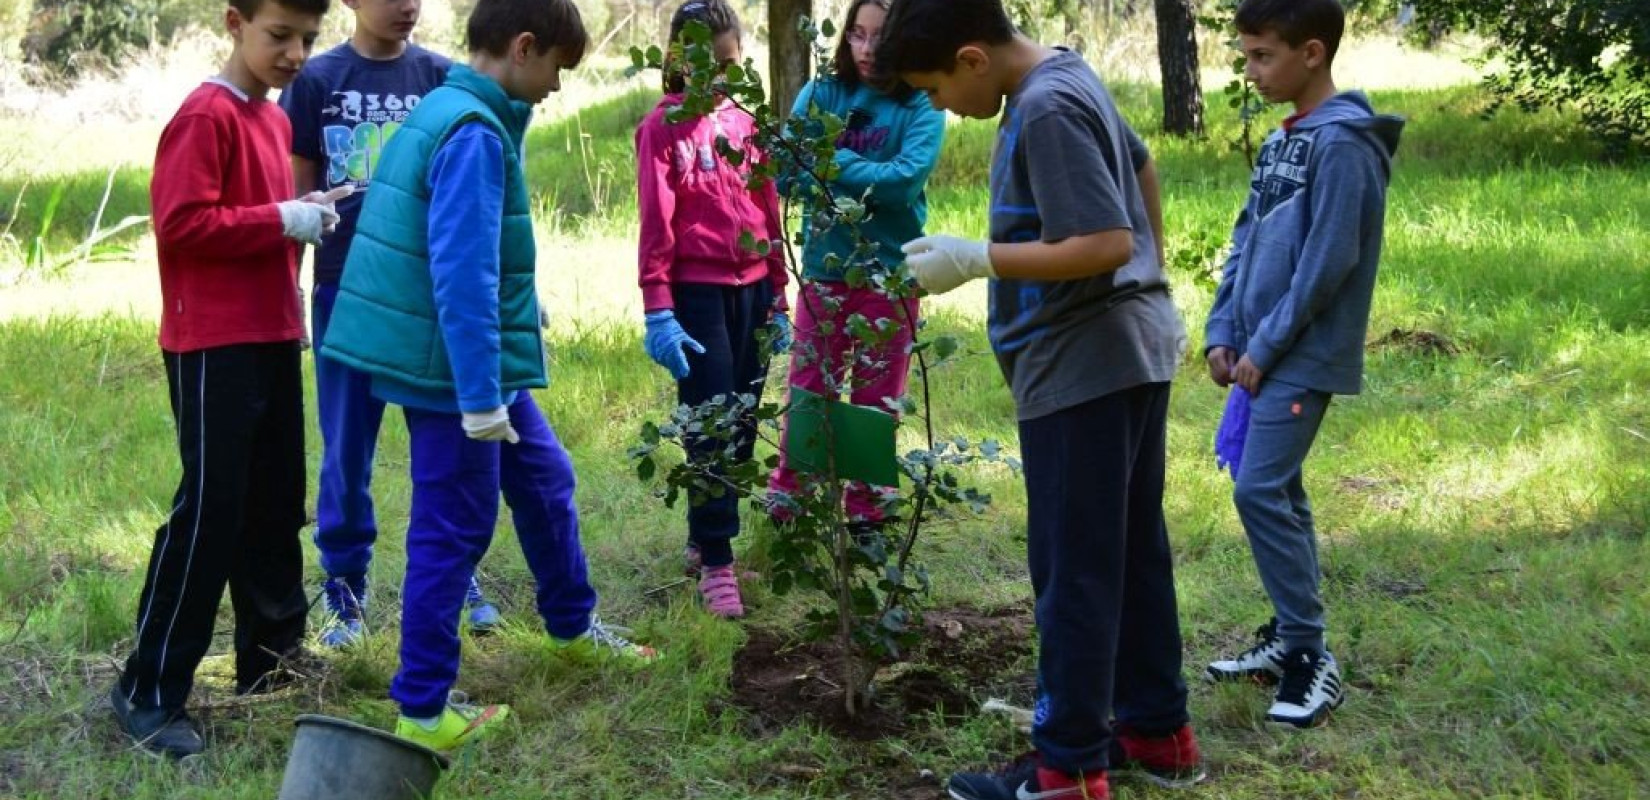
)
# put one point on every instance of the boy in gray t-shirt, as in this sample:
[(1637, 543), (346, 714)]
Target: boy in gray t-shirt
[(1088, 339)]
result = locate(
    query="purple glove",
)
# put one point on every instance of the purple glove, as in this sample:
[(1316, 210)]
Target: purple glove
[(1233, 430)]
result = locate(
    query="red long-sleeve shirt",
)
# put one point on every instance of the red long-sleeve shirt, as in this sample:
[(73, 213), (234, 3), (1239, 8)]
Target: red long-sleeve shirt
[(227, 273)]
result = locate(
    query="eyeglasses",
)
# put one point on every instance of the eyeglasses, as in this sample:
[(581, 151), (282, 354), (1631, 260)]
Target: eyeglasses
[(860, 39)]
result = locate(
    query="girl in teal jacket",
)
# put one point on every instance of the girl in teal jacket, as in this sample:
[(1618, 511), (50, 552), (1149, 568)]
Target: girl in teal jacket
[(884, 156)]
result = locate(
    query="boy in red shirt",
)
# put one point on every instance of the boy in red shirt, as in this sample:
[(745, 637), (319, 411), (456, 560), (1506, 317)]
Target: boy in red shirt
[(225, 230)]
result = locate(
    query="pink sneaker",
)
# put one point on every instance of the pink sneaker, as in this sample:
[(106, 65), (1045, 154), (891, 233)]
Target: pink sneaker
[(719, 586), (691, 561)]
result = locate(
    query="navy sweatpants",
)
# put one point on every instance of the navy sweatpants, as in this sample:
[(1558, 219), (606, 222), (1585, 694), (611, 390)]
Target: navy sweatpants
[(724, 319), (1103, 576), (456, 485)]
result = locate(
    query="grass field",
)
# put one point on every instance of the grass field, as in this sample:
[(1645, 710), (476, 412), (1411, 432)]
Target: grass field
[(1483, 510)]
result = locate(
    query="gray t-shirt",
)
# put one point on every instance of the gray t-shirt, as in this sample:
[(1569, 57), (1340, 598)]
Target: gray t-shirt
[(1064, 165)]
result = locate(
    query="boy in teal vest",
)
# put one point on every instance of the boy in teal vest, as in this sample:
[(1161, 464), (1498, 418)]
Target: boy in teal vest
[(437, 304)]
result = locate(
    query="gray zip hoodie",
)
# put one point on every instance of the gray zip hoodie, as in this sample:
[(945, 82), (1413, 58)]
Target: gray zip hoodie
[(1296, 291)]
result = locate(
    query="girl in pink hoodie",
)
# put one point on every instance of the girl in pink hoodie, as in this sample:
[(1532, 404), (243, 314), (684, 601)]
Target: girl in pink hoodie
[(705, 296)]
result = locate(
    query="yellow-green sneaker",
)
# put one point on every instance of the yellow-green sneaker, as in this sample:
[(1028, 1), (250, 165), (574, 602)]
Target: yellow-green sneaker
[(460, 723), (605, 643)]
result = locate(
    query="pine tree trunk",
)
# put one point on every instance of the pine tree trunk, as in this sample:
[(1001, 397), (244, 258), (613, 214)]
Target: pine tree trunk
[(789, 58), (1177, 56)]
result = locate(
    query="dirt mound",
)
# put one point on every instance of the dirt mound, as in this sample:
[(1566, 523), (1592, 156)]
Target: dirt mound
[(964, 655)]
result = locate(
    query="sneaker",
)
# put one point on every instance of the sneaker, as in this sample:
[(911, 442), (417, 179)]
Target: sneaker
[(158, 731), (1310, 689), (719, 587), (459, 724), (346, 606), (1172, 761), (482, 615), (1262, 663), (1027, 779), (692, 561), (605, 643)]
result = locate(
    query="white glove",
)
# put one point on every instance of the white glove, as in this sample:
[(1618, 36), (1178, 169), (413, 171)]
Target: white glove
[(942, 263), (490, 426), (305, 221)]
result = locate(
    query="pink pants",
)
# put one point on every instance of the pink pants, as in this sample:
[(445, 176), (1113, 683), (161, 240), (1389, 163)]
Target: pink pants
[(867, 384)]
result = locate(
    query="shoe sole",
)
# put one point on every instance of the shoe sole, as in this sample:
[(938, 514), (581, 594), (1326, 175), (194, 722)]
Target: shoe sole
[(1261, 677), (1160, 781), (1317, 720)]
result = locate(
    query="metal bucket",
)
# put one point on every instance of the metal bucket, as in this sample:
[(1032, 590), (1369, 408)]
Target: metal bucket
[(335, 759)]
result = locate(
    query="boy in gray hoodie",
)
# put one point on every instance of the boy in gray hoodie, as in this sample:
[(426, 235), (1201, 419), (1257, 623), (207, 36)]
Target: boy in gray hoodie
[(1288, 325)]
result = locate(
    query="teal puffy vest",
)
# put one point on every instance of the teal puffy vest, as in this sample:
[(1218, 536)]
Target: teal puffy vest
[(384, 321)]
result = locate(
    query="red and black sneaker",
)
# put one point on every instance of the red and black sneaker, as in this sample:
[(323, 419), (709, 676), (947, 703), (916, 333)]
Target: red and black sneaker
[(1027, 779), (1171, 761)]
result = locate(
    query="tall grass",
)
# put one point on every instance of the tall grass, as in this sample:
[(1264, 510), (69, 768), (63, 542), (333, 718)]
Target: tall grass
[(1483, 509)]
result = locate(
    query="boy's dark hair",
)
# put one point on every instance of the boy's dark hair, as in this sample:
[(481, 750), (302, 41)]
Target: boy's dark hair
[(715, 14), (249, 8), (1295, 21), (554, 23), (924, 35)]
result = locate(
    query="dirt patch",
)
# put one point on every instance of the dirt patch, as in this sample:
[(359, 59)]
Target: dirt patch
[(964, 655), (1419, 342)]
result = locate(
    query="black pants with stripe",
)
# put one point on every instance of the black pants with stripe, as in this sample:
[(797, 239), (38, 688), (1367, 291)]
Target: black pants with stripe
[(235, 521)]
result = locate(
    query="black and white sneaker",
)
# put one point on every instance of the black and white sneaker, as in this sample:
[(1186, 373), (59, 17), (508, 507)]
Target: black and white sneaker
[(1310, 689), (1262, 663)]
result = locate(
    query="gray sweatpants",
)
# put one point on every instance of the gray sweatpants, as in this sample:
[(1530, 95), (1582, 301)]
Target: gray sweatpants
[(1272, 503)]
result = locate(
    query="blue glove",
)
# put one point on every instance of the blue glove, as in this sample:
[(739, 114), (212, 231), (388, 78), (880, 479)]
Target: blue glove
[(665, 340), (782, 336)]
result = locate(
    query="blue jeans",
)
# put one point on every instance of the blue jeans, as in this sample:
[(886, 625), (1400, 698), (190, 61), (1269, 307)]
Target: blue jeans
[(1271, 501), (350, 416), (456, 484), (1103, 575)]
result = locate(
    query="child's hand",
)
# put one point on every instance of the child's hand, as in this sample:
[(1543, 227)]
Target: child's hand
[(1247, 375), (1220, 365), (490, 426), (942, 263), (782, 335), (305, 221), (665, 340)]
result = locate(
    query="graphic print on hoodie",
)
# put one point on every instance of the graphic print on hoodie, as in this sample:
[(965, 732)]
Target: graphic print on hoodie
[(1297, 288)]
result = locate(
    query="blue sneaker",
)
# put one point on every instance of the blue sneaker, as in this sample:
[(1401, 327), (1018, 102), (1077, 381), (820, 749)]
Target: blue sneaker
[(482, 615), (346, 605)]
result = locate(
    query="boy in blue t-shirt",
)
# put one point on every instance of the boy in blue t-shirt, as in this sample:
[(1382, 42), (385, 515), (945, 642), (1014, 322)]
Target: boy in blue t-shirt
[(344, 107), (1088, 339)]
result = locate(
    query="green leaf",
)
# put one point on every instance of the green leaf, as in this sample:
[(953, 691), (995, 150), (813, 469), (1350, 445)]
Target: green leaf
[(945, 347), (645, 469)]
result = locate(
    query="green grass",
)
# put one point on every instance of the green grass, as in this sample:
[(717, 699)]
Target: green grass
[(1483, 519)]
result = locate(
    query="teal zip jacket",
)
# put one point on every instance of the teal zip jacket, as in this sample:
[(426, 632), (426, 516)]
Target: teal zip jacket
[(889, 148), (441, 308)]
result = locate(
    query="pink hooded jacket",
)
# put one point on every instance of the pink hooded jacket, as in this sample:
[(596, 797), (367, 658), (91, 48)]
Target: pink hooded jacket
[(694, 205)]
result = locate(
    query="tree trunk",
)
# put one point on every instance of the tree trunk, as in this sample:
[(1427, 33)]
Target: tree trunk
[(1177, 56), (789, 58)]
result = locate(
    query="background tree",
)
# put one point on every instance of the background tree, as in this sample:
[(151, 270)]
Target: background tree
[(790, 54), (1177, 57), (1592, 55)]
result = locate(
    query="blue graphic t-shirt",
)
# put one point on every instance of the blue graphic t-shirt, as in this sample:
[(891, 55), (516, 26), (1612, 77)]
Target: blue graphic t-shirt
[(344, 108)]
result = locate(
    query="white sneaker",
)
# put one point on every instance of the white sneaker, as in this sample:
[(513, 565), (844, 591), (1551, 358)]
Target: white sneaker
[(1310, 689), (1262, 663)]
